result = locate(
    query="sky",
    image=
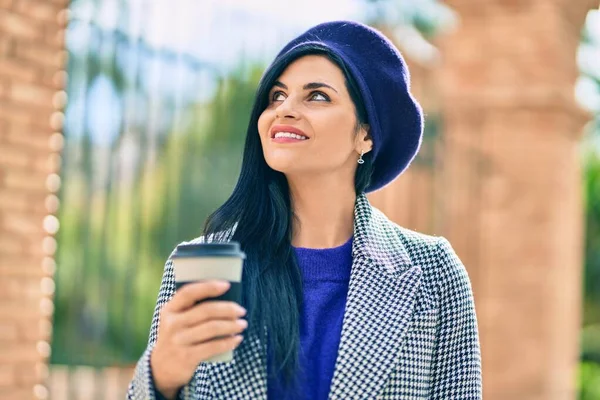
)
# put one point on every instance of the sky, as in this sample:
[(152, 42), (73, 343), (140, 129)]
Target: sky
[(217, 30), (588, 58)]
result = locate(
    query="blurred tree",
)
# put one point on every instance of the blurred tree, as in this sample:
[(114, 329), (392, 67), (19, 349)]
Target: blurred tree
[(592, 238), (588, 93)]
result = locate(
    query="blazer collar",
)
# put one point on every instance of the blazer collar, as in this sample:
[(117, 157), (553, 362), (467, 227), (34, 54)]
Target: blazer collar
[(376, 239), (380, 301)]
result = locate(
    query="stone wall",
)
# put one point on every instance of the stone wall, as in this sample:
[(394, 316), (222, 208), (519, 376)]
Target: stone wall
[(32, 77)]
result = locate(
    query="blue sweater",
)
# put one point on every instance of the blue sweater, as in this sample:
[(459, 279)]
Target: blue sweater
[(325, 275)]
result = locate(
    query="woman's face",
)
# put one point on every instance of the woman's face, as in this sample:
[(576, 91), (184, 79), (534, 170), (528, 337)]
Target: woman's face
[(308, 127)]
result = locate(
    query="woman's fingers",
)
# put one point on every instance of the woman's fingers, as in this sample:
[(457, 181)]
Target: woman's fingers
[(212, 309), (189, 294), (206, 350), (210, 330)]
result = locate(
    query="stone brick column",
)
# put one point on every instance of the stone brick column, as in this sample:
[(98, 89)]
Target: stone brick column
[(32, 78), (512, 186)]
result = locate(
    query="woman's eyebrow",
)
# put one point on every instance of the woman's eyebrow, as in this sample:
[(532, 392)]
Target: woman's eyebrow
[(311, 85)]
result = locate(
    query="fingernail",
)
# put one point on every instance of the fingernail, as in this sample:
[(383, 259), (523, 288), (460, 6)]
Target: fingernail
[(241, 310), (223, 284)]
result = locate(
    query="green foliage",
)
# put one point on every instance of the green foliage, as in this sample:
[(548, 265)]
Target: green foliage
[(588, 381), (590, 343), (589, 372), (592, 238)]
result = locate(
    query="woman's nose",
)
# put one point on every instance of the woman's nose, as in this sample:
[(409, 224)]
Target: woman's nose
[(286, 108)]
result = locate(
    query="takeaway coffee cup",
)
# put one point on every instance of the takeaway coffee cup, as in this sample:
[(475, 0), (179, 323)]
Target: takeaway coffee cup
[(208, 261)]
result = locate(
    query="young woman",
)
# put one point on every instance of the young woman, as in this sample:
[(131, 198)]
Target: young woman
[(341, 302)]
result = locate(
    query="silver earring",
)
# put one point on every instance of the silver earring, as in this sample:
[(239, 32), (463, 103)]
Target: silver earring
[(360, 160)]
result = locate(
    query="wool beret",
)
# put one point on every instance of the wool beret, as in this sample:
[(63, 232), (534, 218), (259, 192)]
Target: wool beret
[(394, 116)]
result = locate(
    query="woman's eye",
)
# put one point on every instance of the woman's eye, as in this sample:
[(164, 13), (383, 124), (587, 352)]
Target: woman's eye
[(323, 96), (275, 95)]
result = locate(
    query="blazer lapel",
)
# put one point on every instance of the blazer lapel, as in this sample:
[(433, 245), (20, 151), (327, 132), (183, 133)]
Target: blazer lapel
[(380, 302)]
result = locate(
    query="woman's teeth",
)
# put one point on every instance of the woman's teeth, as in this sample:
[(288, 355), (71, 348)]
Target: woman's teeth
[(289, 135)]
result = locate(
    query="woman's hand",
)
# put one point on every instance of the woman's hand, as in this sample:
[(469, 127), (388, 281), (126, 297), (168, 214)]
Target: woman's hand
[(189, 334)]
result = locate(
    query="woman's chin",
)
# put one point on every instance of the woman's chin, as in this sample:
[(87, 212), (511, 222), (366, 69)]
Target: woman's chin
[(283, 168), (285, 165)]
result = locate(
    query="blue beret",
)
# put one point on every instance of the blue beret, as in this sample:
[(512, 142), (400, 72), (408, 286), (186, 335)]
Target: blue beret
[(394, 116)]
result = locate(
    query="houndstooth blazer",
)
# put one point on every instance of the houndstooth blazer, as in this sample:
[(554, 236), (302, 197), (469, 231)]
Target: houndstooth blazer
[(409, 328)]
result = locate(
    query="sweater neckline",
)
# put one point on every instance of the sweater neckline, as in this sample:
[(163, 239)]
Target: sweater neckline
[(340, 247), (332, 264)]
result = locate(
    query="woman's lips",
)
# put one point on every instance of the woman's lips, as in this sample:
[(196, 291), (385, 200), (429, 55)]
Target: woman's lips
[(288, 140), (286, 129)]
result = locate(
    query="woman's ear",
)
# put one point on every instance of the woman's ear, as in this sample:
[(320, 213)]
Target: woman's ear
[(365, 142)]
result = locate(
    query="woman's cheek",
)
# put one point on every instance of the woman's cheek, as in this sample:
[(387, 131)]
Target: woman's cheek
[(262, 124)]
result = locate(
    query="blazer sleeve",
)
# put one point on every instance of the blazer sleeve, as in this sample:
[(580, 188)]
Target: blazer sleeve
[(142, 385), (457, 357)]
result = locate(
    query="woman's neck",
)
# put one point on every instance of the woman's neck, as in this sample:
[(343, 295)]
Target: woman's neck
[(324, 213)]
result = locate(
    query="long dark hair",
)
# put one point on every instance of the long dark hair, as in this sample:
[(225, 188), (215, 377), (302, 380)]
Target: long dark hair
[(260, 206)]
